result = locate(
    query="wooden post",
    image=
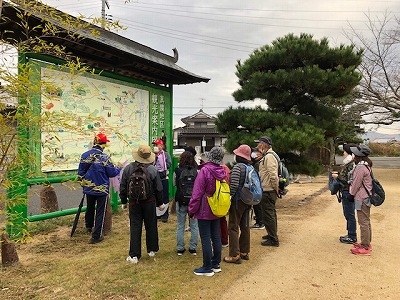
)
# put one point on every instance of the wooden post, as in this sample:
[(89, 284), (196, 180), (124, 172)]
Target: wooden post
[(9, 255)]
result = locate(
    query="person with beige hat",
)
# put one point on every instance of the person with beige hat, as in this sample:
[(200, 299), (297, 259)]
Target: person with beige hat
[(143, 210)]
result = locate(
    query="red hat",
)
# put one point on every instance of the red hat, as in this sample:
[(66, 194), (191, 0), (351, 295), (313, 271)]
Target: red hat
[(101, 138), (158, 142)]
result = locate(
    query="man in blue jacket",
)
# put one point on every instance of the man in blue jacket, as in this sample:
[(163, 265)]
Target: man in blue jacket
[(95, 170)]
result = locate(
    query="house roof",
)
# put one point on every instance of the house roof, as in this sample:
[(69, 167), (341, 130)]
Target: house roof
[(106, 50), (200, 116)]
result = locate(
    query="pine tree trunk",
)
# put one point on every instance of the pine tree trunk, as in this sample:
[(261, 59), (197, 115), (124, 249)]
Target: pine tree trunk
[(9, 255), (48, 199)]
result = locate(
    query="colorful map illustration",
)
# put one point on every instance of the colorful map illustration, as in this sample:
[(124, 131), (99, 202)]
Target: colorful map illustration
[(74, 108)]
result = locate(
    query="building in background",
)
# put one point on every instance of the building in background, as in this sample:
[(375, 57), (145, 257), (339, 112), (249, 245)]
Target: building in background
[(199, 132)]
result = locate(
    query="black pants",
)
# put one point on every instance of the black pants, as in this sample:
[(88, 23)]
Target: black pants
[(165, 198), (139, 213), (96, 205), (258, 212)]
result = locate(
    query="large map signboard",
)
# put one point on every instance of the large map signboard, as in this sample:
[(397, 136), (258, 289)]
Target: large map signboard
[(79, 107)]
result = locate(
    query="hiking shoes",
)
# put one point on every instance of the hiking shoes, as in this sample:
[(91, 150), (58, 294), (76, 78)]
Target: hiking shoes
[(270, 242), (358, 245), (244, 256), (361, 251), (95, 241), (233, 259), (347, 240), (193, 251), (132, 260), (258, 226), (180, 252), (203, 272), (217, 269)]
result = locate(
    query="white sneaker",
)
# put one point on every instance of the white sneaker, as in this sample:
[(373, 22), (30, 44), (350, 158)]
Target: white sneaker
[(133, 260), (152, 253)]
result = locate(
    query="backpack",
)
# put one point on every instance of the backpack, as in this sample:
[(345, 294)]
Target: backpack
[(283, 172), (139, 187), (377, 195), (220, 201), (251, 191), (185, 183)]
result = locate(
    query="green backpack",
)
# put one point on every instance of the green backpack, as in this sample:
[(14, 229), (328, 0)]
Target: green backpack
[(220, 201)]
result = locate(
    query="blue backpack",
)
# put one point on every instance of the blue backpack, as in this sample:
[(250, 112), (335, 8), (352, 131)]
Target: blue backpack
[(251, 191)]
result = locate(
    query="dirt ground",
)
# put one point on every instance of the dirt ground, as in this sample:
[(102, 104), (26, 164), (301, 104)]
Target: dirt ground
[(311, 263)]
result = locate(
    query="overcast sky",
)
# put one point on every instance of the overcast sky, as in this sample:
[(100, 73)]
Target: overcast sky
[(212, 35)]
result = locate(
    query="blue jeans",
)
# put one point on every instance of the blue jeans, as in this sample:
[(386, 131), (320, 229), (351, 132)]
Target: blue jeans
[(349, 214), (209, 232), (181, 214)]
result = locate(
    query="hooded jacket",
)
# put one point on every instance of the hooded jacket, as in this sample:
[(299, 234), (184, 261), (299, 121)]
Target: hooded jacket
[(205, 186)]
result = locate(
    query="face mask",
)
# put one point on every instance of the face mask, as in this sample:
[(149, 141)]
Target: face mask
[(253, 155), (155, 149), (234, 157)]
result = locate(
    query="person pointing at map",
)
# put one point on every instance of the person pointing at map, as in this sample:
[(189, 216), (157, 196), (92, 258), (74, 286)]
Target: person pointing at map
[(163, 163), (94, 171)]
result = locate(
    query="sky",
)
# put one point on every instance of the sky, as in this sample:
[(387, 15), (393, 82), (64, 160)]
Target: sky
[(211, 36)]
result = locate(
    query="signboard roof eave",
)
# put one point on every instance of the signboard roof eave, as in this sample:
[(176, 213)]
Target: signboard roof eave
[(164, 69)]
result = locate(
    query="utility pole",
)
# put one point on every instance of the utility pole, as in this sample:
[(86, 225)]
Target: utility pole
[(202, 103), (104, 3)]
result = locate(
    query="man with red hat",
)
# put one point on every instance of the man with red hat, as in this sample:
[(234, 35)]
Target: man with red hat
[(163, 162), (94, 171)]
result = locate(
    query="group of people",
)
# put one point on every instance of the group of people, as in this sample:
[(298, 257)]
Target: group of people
[(211, 228), (355, 181), (95, 169)]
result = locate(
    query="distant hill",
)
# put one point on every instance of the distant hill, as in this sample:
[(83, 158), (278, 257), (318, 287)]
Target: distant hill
[(376, 137)]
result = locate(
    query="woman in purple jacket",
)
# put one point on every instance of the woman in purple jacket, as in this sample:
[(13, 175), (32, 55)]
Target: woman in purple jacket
[(360, 182), (199, 209)]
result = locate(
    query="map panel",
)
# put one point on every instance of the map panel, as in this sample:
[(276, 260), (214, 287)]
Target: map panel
[(74, 108)]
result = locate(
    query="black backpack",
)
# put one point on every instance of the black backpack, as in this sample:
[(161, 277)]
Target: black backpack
[(185, 184), (139, 188)]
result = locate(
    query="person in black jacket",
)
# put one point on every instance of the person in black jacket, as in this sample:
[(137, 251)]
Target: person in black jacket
[(188, 165), (143, 210)]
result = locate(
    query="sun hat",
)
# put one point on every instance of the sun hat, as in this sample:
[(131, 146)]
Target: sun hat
[(264, 139), (361, 150), (143, 154), (101, 138), (215, 155), (243, 151)]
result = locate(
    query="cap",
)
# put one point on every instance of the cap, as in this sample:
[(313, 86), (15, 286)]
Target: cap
[(101, 138), (361, 150), (264, 139), (158, 142), (346, 147)]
